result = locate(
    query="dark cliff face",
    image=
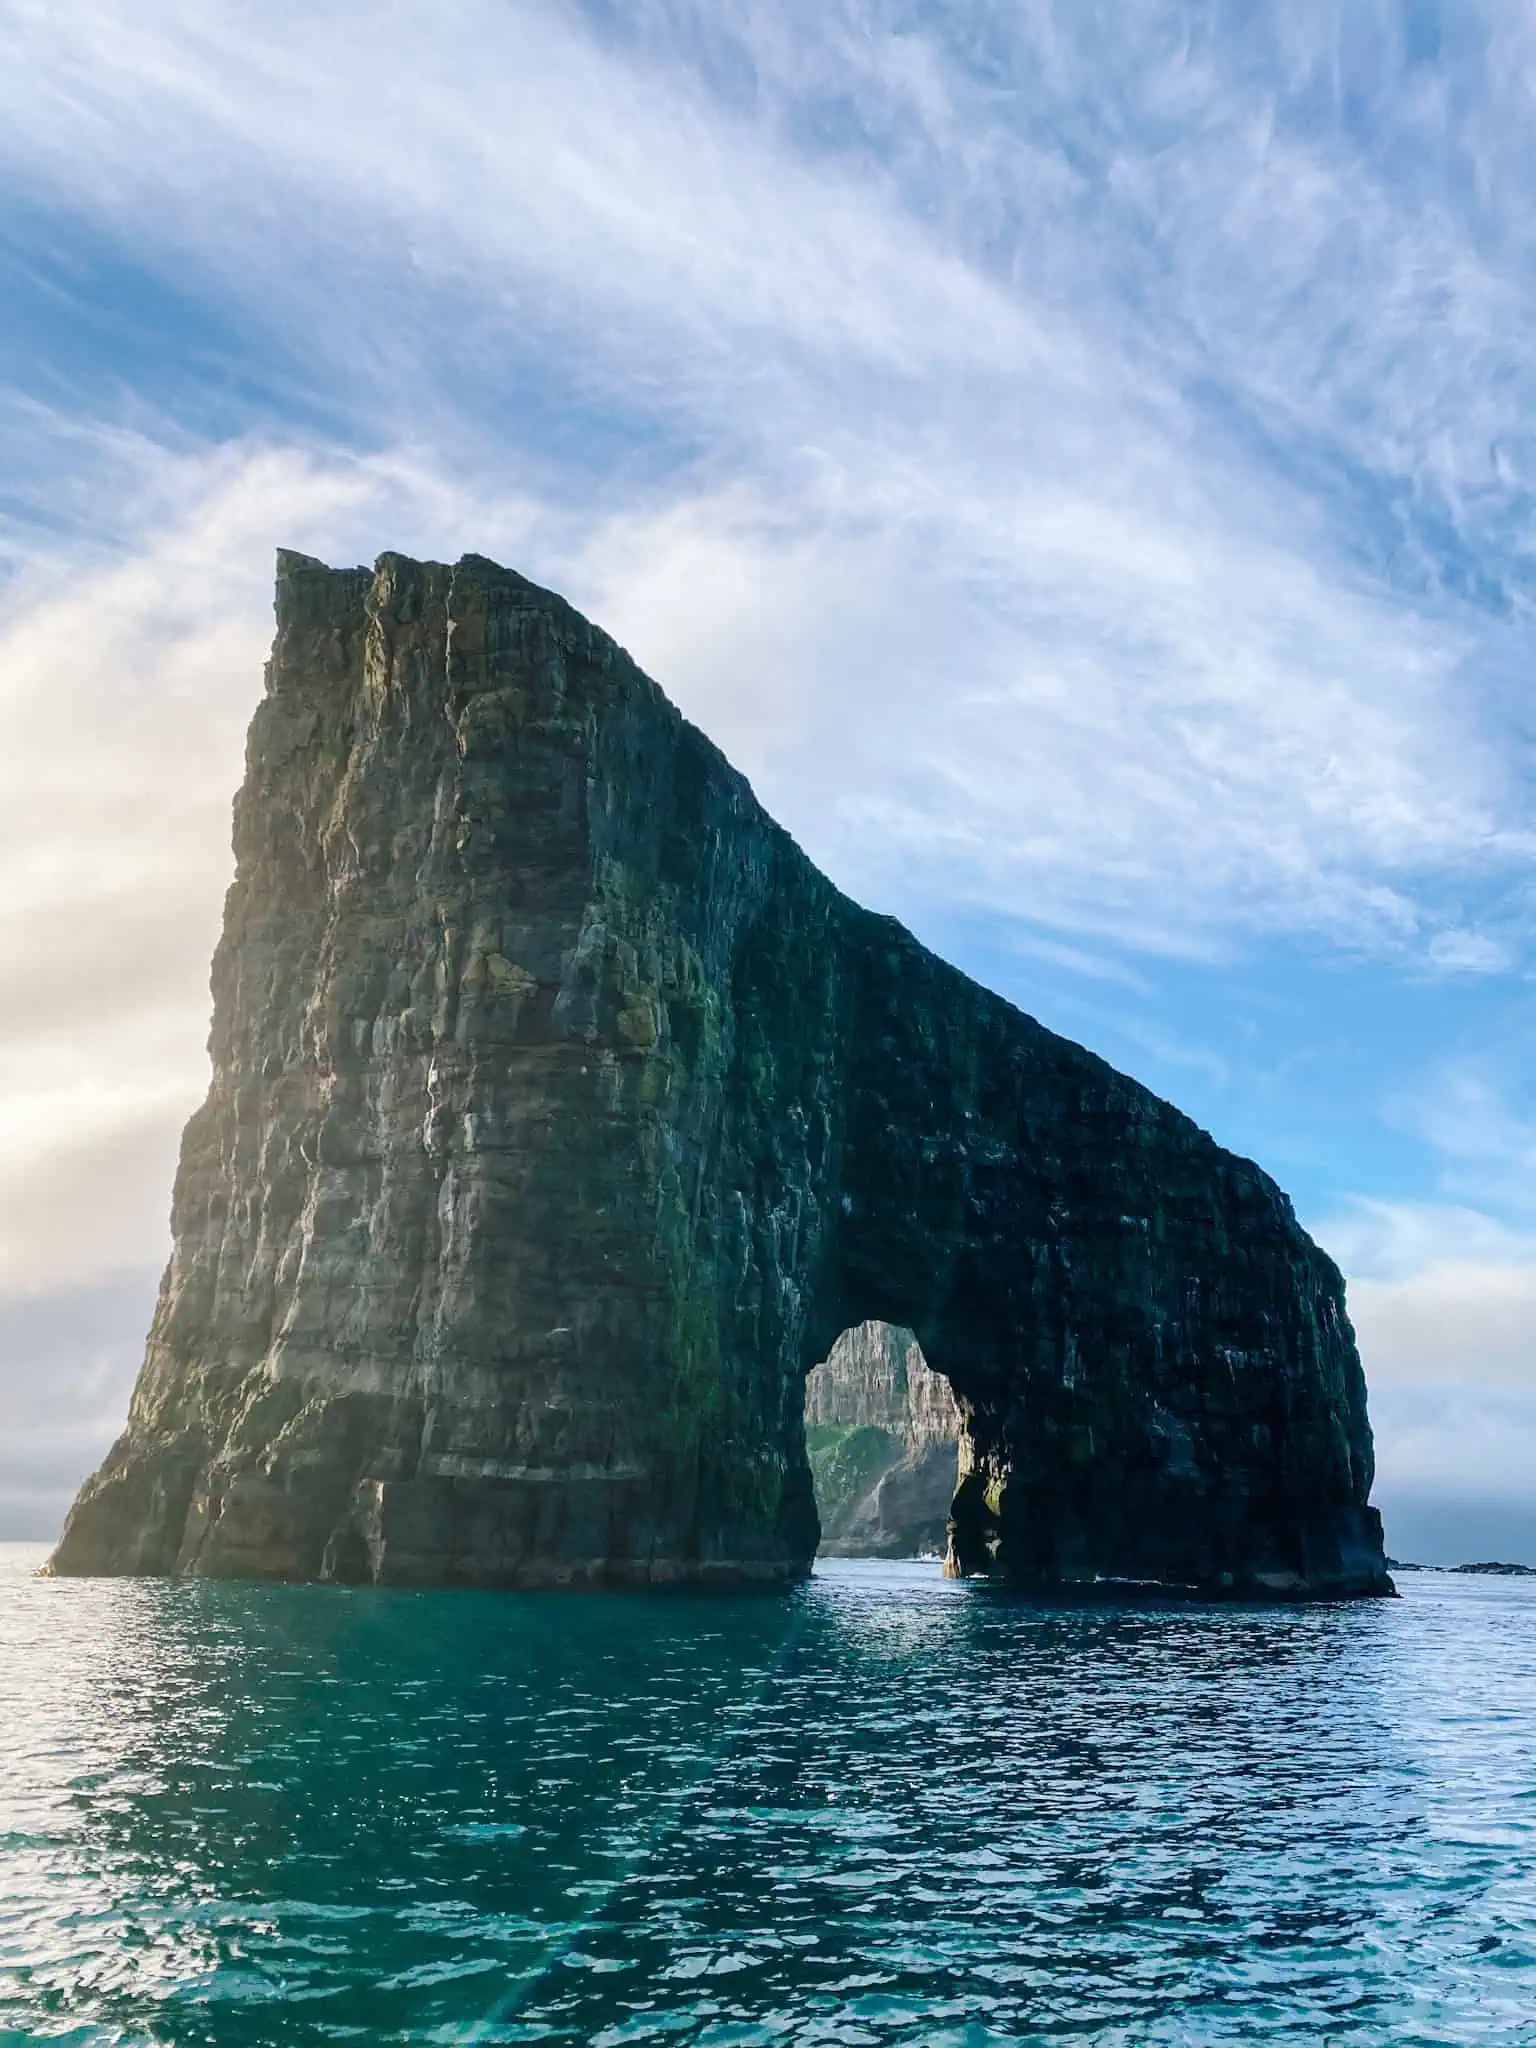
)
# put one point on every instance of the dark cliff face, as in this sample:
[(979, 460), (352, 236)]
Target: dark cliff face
[(562, 1114)]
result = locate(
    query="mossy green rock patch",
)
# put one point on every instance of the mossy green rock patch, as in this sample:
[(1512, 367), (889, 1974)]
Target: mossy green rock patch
[(846, 1463)]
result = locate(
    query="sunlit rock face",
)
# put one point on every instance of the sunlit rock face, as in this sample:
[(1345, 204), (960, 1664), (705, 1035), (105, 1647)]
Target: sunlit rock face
[(882, 1432), (563, 1114)]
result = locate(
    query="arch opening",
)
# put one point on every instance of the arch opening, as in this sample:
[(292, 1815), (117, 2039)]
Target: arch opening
[(885, 1438)]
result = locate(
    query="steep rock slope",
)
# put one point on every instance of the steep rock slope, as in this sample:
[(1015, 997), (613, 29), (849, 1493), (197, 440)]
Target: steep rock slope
[(876, 1377), (562, 1114)]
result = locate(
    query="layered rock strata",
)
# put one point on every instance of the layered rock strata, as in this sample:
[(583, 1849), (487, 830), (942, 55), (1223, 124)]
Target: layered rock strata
[(882, 1431), (562, 1114), (875, 1377)]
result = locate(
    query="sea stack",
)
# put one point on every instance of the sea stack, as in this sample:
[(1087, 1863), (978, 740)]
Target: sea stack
[(563, 1115)]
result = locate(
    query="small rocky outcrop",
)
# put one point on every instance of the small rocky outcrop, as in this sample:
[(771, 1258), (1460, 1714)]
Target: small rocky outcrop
[(882, 1432), (562, 1114)]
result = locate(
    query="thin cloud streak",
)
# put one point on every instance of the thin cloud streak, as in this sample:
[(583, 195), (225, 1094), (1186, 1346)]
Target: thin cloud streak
[(1077, 462), (1166, 692)]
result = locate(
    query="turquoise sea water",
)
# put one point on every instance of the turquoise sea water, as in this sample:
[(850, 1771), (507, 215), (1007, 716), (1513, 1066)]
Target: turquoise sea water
[(879, 1809)]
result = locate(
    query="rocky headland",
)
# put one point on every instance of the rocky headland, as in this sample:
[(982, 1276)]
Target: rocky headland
[(562, 1114), (882, 1431)]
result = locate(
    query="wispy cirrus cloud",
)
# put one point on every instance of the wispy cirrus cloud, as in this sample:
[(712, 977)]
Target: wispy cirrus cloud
[(1447, 1294), (1474, 1112), (1076, 459), (127, 679), (1170, 710)]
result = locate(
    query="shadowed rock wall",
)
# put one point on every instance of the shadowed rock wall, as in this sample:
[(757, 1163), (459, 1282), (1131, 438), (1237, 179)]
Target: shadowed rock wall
[(562, 1113)]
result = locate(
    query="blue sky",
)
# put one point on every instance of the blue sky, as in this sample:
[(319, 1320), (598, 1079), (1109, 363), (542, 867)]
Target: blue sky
[(1077, 459)]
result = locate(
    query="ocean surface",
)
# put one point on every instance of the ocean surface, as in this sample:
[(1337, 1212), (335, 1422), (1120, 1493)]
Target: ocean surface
[(878, 1809)]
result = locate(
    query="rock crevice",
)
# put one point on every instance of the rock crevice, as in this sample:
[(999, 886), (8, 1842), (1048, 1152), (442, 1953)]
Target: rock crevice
[(562, 1114)]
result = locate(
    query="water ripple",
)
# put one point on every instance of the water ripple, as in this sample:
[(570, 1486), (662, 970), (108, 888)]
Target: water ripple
[(880, 1810)]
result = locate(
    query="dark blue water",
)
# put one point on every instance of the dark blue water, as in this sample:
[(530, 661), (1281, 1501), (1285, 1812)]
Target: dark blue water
[(881, 1809)]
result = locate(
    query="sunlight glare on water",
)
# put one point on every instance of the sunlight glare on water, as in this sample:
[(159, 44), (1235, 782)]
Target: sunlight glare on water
[(879, 1809)]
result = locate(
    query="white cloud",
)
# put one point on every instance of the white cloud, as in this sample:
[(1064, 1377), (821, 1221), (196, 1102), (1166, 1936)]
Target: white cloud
[(1455, 1321), (1439, 1294), (1454, 1443), (1079, 649), (1378, 1240), (1011, 697), (1472, 1112), (126, 684), (67, 1361), (1443, 1299), (505, 160), (1115, 513), (1468, 952)]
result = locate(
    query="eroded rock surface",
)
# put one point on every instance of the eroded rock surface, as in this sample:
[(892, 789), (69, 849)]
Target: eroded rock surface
[(875, 1376), (562, 1114), (882, 1431)]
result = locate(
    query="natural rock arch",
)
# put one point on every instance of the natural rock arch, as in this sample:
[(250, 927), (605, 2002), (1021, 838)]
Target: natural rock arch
[(562, 1114)]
